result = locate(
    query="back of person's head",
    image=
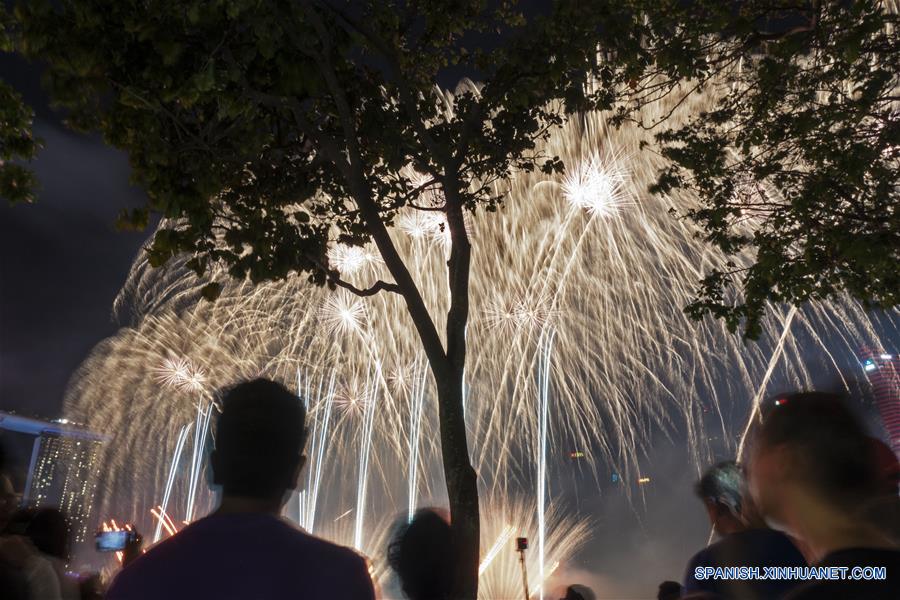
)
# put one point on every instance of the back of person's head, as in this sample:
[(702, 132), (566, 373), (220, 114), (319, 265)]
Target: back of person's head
[(669, 590), (259, 439), (723, 485), (579, 592), (821, 445), (421, 554), (48, 530)]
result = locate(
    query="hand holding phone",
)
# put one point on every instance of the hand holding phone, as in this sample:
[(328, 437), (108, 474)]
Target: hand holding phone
[(115, 541)]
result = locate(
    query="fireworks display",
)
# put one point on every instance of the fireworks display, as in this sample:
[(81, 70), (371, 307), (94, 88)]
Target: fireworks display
[(577, 340)]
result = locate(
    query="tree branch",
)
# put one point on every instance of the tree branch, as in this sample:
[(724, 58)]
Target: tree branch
[(378, 286)]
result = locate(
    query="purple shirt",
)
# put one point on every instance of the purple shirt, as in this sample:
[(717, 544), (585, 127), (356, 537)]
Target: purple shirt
[(248, 556)]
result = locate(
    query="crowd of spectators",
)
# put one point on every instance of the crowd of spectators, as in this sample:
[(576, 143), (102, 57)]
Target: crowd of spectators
[(815, 495)]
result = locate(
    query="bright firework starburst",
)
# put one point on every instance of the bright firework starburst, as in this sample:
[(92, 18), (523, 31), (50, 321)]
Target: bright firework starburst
[(180, 373), (422, 224), (343, 312), (351, 399), (351, 259), (400, 378), (520, 314), (598, 186)]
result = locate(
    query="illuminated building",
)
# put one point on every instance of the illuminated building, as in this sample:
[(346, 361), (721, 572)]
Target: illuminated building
[(62, 472), (883, 371)]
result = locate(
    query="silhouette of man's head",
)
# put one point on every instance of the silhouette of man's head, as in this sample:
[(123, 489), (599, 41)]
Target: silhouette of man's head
[(810, 443), (259, 439), (579, 592), (669, 590), (421, 555)]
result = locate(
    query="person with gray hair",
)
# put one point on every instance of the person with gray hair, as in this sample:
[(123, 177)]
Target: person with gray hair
[(744, 541)]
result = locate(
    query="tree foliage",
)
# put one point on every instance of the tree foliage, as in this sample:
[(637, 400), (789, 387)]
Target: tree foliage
[(248, 126), (17, 141), (797, 163)]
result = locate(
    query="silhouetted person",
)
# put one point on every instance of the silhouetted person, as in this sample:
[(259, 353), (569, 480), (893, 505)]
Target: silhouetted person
[(13, 583), (48, 530), (39, 570), (811, 466), (245, 549), (669, 590), (744, 541), (421, 555), (579, 592)]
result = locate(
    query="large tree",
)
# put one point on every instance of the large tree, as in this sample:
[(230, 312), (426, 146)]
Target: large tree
[(267, 131)]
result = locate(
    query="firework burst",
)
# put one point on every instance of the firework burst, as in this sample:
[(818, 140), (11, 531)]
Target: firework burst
[(180, 373), (343, 312), (626, 361), (598, 186), (349, 260)]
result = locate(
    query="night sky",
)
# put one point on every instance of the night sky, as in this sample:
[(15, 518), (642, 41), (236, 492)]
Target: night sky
[(61, 259)]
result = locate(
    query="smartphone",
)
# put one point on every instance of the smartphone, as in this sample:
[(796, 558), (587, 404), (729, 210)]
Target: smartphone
[(113, 541)]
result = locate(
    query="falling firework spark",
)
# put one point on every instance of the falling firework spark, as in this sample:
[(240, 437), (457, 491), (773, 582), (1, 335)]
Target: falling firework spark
[(417, 407), (365, 454), (319, 414), (176, 457), (543, 381)]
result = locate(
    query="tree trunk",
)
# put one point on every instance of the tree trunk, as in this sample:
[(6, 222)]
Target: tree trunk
[(447, 367), (462, 484)]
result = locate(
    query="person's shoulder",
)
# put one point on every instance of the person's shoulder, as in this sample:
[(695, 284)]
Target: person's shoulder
[(764, 535), (841, 590), (148, 567), (690, 581), (342, 570), (862, 557), (322, 548), (764, 542), (701, 557), (867, 586)]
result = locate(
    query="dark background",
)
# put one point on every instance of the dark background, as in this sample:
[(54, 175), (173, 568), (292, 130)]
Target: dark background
[(61, 259)]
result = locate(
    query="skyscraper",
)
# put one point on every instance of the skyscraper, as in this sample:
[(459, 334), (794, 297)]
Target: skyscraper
[(883, 370), (63, 469)]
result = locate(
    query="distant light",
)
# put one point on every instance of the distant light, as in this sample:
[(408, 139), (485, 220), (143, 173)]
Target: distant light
[(643, 480), (615, 477), (576, 454), (887, 357), (781, 402), (870, 366)]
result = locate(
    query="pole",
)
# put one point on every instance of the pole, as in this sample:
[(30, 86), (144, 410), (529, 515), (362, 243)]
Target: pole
[(524, 572)]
